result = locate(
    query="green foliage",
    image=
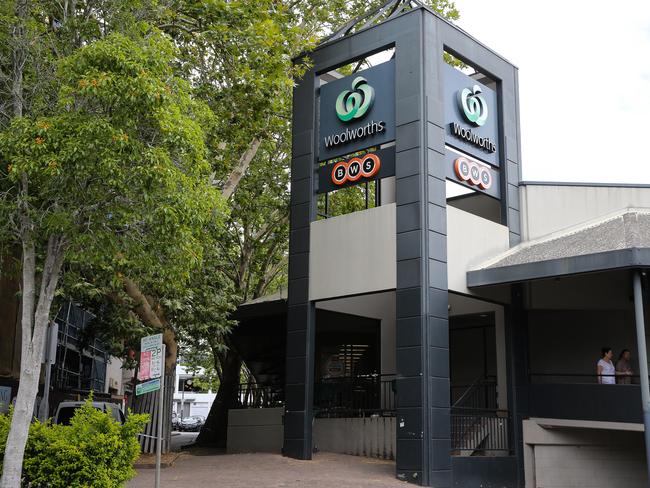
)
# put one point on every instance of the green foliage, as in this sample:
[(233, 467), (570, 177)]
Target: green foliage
[(120, 169), (93, 451)]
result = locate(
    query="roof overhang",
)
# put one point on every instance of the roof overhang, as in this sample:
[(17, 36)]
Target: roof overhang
[(554, 268)]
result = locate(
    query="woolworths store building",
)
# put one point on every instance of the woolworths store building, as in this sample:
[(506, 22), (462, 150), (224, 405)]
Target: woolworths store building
[(452, 321)]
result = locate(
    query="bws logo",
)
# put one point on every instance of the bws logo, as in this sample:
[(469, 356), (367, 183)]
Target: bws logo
[(473, 105), (365, 166), (353, 104), (473, 173)]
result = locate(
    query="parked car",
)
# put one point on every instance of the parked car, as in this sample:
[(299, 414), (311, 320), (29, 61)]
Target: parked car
[(65, 411), (192, 423)]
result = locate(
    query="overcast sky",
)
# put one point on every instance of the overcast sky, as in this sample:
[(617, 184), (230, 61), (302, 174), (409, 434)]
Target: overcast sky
[(584, 83)]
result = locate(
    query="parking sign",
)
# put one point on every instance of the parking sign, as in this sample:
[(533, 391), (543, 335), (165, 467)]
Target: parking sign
[(151, 357)]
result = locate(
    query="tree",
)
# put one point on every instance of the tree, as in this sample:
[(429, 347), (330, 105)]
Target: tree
[(116, 179), (256, 241)]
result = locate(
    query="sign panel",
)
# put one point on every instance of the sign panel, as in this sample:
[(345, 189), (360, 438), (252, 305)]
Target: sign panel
[(471, 116), (5, 398), (357, 112), (472, 173), (147, 387), (355, 170), (144, 373), (153, 345)]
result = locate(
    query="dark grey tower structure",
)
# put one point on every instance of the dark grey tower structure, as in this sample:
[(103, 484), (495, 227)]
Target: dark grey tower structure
[(419, 37)]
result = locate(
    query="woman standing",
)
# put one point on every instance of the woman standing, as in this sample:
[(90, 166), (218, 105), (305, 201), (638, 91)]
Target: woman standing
[(624, 368), (605, 368)]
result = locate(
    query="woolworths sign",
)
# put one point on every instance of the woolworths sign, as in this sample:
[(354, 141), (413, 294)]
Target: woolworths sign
[(357, 112), (471, 116)]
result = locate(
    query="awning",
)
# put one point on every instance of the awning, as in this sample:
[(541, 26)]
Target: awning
[(617, 241)]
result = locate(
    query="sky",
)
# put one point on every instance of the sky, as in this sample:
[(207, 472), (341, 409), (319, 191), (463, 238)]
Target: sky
[(584, 83)]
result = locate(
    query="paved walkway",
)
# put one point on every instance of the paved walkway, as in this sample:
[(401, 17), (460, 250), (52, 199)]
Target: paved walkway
[(198, 469)]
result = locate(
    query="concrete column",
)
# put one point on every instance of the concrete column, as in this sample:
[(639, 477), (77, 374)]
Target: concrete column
[(643, 361)]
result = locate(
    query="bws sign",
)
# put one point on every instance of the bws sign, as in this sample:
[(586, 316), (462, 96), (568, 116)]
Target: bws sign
[(472, 173), (365, 166), (471, 116), (355, 170), (357, 112)]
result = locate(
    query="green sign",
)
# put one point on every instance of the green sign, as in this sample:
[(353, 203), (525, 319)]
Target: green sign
[(353, 104), (147, 387), (473, 105)]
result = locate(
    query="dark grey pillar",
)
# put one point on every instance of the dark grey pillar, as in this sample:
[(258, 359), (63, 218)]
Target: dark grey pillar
[(299, 387), (423, 427), (516, 332)]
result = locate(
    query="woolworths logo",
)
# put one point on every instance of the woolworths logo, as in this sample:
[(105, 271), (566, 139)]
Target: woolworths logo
[(353, 104), (473, 105)]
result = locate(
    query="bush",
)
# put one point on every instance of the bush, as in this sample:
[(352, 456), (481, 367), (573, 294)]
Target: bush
[(93, 451)]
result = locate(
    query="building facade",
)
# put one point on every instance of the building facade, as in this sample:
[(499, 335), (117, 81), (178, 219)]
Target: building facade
[(454, 320)]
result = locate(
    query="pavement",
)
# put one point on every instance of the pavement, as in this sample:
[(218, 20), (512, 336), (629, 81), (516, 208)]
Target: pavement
[(204, 468)]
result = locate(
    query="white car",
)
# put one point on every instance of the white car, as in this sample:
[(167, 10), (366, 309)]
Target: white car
[(65, 411)]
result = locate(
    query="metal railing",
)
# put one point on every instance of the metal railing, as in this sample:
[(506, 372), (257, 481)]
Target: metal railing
[(474, 432), (480, 394), (477, 425), (253, 395), (536, 378), (357, 396)]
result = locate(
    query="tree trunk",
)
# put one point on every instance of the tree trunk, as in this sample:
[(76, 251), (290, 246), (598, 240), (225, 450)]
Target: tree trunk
[(215, 430), (33, 343), (154, 317)]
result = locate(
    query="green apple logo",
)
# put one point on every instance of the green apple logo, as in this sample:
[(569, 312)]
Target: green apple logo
[(353, 104)]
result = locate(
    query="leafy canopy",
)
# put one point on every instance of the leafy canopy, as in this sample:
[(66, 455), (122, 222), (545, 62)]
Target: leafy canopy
[(120, 169)]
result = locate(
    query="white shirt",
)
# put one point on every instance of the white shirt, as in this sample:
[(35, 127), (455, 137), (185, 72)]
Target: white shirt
[(608, 369)]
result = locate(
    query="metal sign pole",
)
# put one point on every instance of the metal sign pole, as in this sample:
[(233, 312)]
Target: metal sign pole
[(51, 339), (161, 409)]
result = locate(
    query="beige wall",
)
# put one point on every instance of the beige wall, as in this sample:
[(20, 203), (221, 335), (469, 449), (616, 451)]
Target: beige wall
[(370, 436), (594, 457), (114, 374), (353, 253), (546, 209), (470, 240)]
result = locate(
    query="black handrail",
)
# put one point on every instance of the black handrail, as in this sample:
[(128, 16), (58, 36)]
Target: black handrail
[(357, 396), (620, 379)]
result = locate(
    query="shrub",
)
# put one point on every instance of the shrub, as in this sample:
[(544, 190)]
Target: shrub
[(93, 451)]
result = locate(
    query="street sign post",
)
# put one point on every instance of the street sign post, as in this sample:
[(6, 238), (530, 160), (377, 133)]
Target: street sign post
[(152, 367), (49, 358)]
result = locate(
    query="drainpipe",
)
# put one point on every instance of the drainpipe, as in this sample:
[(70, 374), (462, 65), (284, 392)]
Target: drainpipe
[(643, 363)]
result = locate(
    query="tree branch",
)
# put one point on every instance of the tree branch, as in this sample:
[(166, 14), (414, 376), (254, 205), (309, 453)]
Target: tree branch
[(242, 165)]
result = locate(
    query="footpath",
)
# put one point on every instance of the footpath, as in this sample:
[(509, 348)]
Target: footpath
[(206, 468)]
